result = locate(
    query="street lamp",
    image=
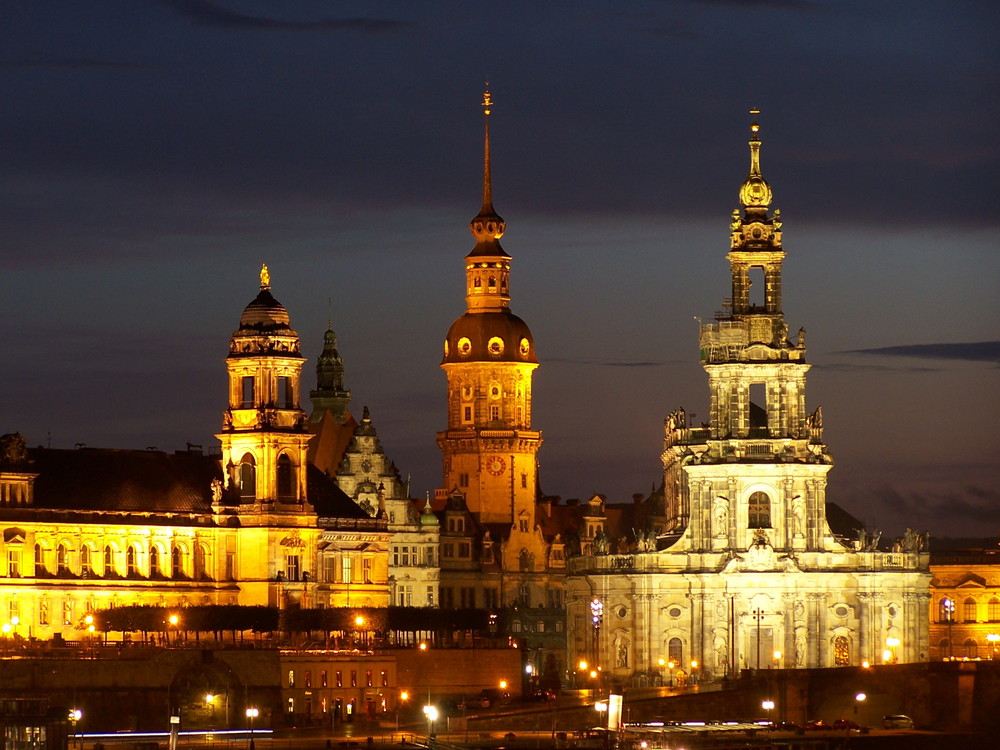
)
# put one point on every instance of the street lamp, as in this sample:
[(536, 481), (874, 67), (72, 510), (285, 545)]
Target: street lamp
[(858, 700), (993, 638), (252, 713), (694, 671), (602, 711), (767, 706), (403, 697), (777, 659), (670, 666), (432, 714), (949, 614), (75, 714), (596, 616)]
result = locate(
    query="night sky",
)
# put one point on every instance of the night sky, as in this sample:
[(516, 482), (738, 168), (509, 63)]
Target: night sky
[(154, 154)]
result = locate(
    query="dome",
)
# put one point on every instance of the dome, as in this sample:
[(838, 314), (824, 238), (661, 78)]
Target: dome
[(498, 336), (265, 312)]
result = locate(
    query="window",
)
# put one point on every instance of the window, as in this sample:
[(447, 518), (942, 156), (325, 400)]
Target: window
[(759, 511), (368, 678), (286, 392), (466, 413), (291, 678), (43, 611), (969, 610), (345, 569), (429, 557), (448, 550), (385, 678), (13, 563), (154, 561), (322, 680), (177, 561), (946, 610), (366, 570), (131, 565), (522, 524), (248, 478), (86, 561), (286, 478), (971, 649), (993, 610), (488, 552), (464, 550), (675, 651), (463, 480), (201, 562), (62, 559), (290, 706), (307, 678), (109, 561), (67, 610), (340, 678), (354, 678), (841, 651), (524, 480), (246, 400), (430, 596), (40, 561), (292, 567), (404, 595), (494, 413)]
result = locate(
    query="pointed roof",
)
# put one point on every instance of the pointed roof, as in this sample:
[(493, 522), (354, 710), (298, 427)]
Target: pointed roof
[(488, 226), (755, 192)]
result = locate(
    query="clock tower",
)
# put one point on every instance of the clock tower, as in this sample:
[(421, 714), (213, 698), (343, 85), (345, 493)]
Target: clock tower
[(489, 449)]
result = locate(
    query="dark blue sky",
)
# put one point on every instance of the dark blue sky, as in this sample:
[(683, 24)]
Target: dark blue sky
[(153, 154)]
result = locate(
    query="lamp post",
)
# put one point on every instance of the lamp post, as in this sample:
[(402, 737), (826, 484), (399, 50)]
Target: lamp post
[(252, 713), (596, 617), (777, 659), (670, 666), (694, 672), (403, 697), (949, 613), (993, 638), (431, 713), (75, 714), (858, 700), (768, 705)]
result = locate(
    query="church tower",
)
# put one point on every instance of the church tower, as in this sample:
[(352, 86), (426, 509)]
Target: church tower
[(758, 467), (489, 448), (264, 440)]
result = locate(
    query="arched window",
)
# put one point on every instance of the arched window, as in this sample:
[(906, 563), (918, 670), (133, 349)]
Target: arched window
[(86, 561), (177, 562), (200, 562), (492, 282), (675, 651), (286, 478), (131, 567), (154, 561), (841, 651), (946, 610), (248, 478), (969, 610), (109, 561), (62, 559), (943, 648), (478, 283), (993, 610), (759, 511), (971, 649)]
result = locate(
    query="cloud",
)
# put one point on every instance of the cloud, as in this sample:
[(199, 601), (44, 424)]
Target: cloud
[(781, 4), (640, 363), (973, 503), (982, 351), (847, 367), (205, 13)]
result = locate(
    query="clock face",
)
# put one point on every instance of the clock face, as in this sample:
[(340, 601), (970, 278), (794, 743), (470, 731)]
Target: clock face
[(495, 465)]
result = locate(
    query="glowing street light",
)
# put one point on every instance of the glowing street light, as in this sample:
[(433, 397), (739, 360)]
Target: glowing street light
[(75, 714), (777, 658), (858, 700), (431, 713), (252, 713), (767, 705), (891, 644)]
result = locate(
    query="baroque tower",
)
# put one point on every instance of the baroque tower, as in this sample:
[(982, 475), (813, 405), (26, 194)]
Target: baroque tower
[(759, 466), (264, 441), (489, 448)]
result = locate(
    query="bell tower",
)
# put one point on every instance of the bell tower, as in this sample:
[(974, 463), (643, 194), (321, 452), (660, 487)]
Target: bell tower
[(489, 448), (264, 434), (756, 471)]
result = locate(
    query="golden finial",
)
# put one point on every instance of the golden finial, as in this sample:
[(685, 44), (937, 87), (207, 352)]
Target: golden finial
[(754, 127), (487, 101), (265, 277)]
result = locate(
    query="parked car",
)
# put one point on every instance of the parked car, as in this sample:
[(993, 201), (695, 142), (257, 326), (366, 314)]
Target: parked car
[(846, 724), (897, 721), (785, 726), (815, 724)]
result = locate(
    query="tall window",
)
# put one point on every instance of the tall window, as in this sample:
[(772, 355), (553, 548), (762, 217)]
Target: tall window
[(971, 649), (969, 610), (200, 562), (62, 559), (946, 610), (345, 569), (675, 650), (841, 651), (177, 562), (154, 561), (286, 478), (759, 511), (248, 478), (131, 567), (86, 561), (366, 570), (246, 396), (292, 567), (286, 392), (993, 610), (14, 562), (109, 561), (43, 611)]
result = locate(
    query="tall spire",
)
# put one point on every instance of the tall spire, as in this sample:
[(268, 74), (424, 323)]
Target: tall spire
[(755, 192), (487, 226)]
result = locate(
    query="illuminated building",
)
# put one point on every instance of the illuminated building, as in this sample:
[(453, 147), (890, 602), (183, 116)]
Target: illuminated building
[(745, 564), (497, 549), (965, 604), (89, 529)]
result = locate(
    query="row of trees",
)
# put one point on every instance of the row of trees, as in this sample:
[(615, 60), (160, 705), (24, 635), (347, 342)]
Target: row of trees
[(239, 619)]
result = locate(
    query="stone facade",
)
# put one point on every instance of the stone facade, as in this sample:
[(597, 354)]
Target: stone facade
[(745, 572), (965, 605)]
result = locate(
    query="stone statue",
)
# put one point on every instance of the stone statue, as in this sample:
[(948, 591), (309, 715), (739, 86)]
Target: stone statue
[(800, 650), (13, 449), (601, 543), (621, 652), (721, 511), (216, 490)]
